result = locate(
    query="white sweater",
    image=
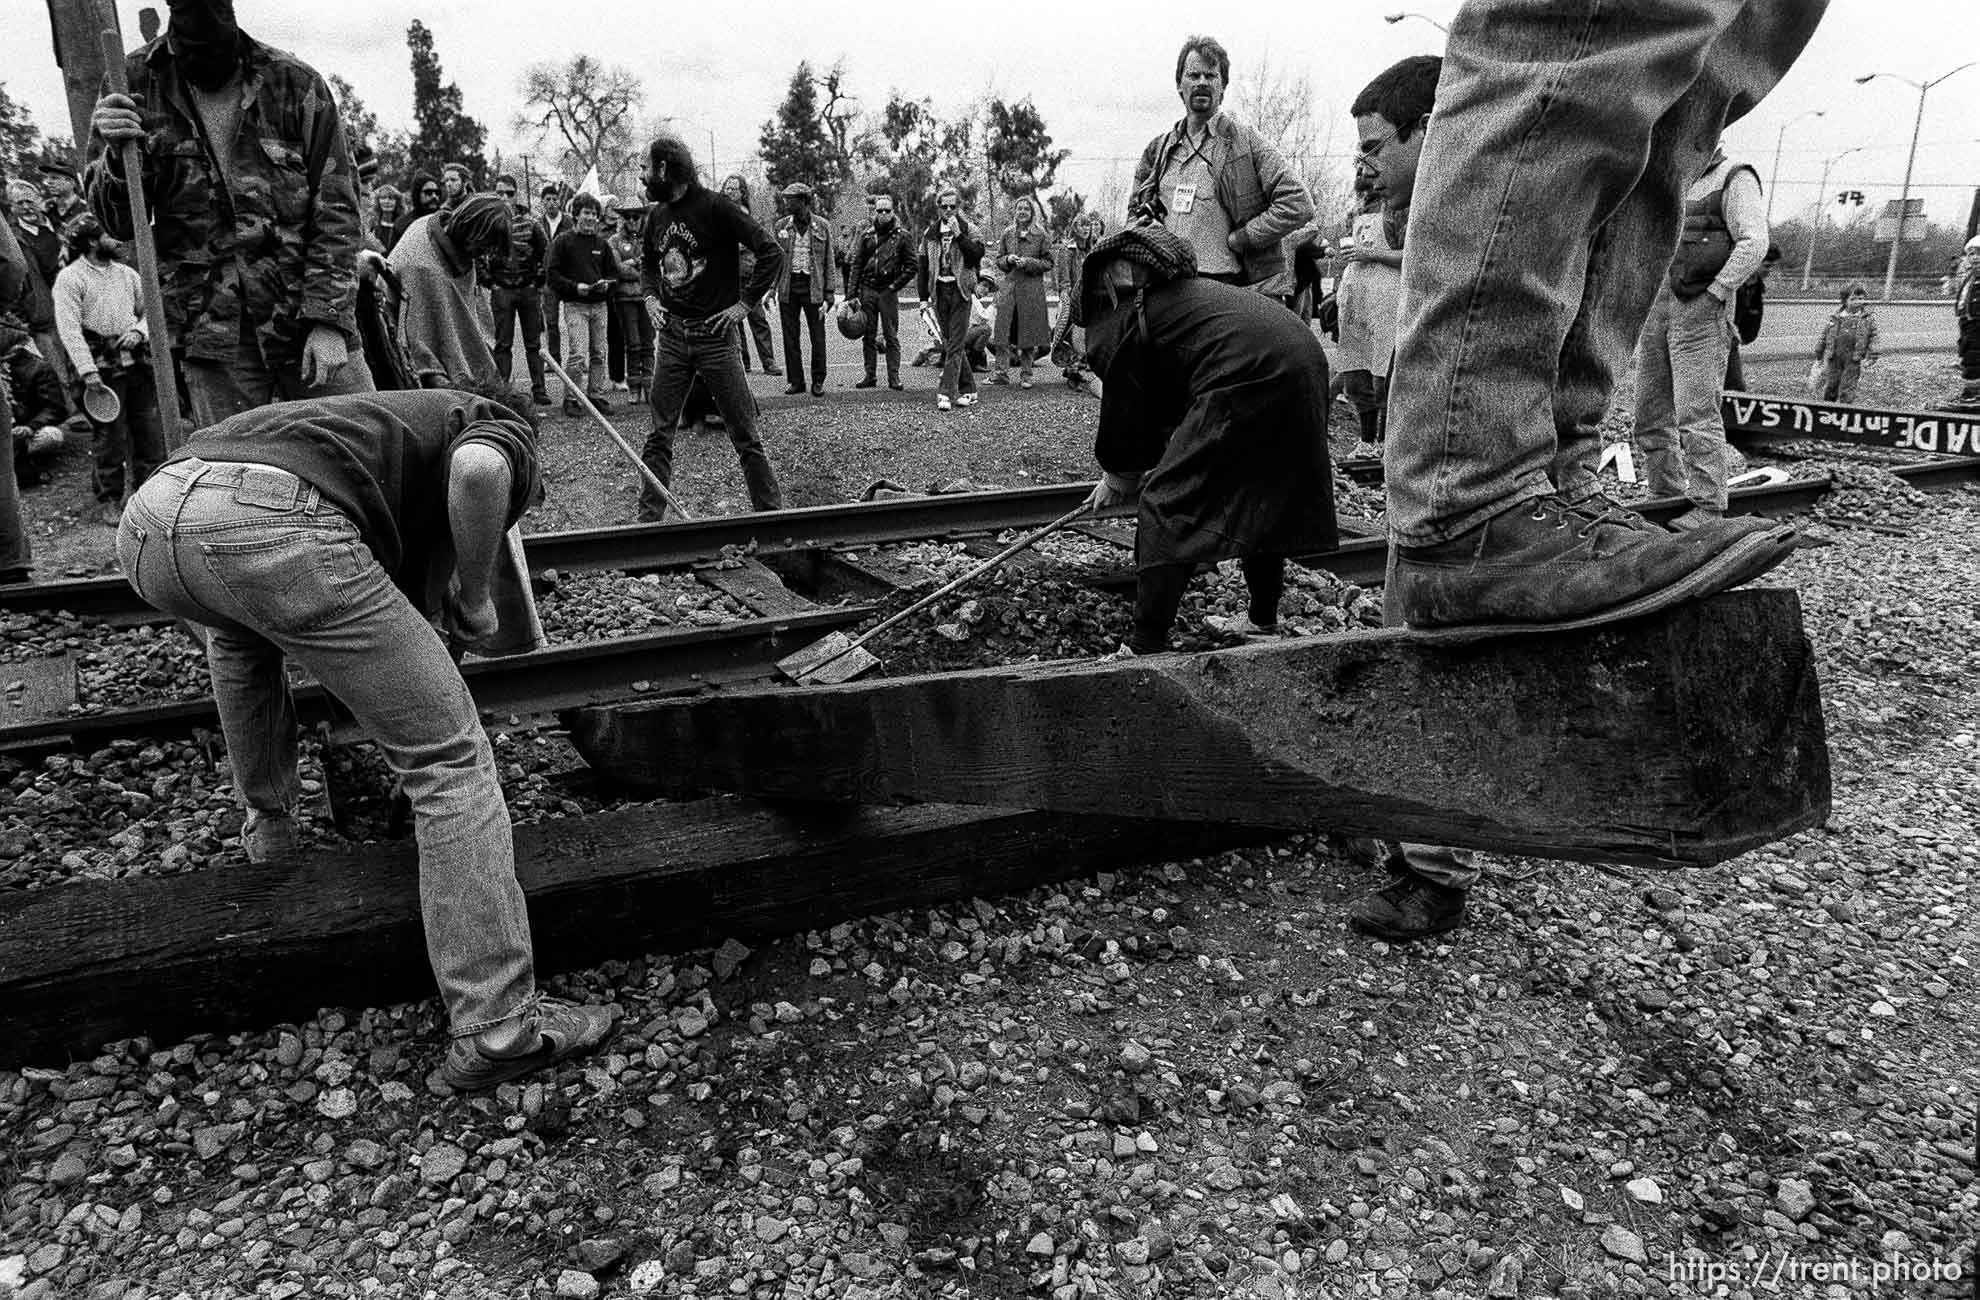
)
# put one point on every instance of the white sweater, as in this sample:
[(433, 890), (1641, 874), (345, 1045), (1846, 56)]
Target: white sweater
[(105, 299)]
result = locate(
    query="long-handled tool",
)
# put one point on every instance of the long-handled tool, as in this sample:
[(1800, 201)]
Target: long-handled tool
[(652, 480), (147, 257), (840, 658)]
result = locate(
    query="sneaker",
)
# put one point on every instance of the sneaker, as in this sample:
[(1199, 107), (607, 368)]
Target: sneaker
[(540, 398), (1025, 382), (1545, 563), (868, 382), (1408, 908), (941, 402), (269, 839), (967, 399), (1000, 378), (1693, 519), (1240, 627), (1121, 651), (558, 1031)]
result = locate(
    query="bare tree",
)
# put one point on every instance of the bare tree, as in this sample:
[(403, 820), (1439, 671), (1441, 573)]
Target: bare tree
[(586, 105), (1283, 107)]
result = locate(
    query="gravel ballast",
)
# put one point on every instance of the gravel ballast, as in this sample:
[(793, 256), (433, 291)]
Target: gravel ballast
[(1189, 1079)]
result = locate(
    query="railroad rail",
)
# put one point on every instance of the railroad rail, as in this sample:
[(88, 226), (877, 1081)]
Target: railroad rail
[(651, 548), (561, 677)]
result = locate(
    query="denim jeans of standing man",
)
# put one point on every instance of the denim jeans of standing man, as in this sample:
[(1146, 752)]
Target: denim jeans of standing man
[(1680, 363), (584, 343), (253, 554), (883, 334), (1546, 207), (510, 307), (952, 311), (813, 314), (683, 350)]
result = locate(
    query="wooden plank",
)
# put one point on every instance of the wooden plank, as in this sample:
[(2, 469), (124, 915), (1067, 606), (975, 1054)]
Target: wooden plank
[(1752, 416), (1685, 737), (753, 583), (78, 27), (43, 687), (243, 947)]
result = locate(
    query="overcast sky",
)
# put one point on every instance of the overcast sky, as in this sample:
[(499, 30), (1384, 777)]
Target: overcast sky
[(1102, 74)]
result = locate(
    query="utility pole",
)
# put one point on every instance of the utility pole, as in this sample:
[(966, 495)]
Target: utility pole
[(1821, 202), (1779, 140), (1904, 199)]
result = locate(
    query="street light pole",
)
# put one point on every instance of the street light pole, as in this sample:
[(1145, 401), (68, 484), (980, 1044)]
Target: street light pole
[(1821, 202), (1779, 140), (1393, 19), (1904, 199)]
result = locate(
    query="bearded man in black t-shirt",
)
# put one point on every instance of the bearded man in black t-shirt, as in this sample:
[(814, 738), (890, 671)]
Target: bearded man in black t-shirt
[(690, 259)]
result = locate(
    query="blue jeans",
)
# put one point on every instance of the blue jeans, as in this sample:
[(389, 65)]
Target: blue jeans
[(255, 556), (1680, 361), (682, 350), (584, 339), (952, 311), (1546, 208)]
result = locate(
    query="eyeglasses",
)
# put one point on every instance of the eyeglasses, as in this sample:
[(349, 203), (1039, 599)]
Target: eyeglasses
[(947, 207), (505, 194)]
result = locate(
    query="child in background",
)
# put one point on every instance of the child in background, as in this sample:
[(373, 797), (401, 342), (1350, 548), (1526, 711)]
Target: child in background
[(1849, 342), (982, 324)]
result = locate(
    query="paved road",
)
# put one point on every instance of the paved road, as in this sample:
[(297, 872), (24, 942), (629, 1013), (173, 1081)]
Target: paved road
[(1794, 328)]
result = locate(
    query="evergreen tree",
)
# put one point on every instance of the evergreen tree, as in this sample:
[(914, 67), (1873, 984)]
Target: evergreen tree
[(1021, 154), (795, 144), (442, 130)]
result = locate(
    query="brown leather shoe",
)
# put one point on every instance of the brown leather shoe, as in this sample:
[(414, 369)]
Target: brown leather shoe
[(1546, 564)]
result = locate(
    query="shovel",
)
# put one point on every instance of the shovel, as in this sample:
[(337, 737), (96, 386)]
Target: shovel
[(652, 480), (840, 658)]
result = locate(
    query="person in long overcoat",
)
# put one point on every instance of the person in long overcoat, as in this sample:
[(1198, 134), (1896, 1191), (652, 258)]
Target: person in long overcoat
[(1024, 321), (1214, 411)]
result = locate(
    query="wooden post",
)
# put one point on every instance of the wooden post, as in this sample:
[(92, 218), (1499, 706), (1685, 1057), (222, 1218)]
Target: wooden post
[(163, 377), (1684, 737), (78, 27)]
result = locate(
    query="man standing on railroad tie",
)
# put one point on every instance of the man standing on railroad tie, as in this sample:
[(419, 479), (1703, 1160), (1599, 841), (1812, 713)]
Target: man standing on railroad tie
[(308, 531), (258, 241), (690, 255)]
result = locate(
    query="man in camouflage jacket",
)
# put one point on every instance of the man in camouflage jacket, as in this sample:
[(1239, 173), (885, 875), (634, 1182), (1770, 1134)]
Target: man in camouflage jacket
[(254, 206)]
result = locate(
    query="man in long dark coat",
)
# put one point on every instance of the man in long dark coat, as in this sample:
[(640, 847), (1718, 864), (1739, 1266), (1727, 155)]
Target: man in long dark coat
[(1214, 409)]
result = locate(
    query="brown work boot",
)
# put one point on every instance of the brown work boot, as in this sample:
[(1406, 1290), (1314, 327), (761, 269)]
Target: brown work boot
[(1408, 908), (1544, 563)]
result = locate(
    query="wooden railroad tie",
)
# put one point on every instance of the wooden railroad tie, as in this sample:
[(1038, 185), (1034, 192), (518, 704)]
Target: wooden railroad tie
[(245, 947), (1681, 738)]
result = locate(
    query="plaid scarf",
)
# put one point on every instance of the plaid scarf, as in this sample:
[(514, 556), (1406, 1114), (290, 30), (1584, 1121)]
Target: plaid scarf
[(1166, 255)]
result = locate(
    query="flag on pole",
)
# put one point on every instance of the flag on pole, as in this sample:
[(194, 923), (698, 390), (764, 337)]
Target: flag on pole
[(590, 183)]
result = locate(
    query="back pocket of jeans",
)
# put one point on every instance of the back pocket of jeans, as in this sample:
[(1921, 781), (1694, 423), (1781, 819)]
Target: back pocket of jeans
[(295, 582)]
